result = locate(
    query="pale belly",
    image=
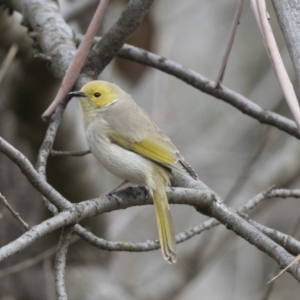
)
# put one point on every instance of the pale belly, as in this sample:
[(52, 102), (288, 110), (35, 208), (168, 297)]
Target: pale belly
[(123, 163)]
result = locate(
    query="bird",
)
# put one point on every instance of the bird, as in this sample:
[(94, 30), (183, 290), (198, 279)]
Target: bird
[(125, 140)]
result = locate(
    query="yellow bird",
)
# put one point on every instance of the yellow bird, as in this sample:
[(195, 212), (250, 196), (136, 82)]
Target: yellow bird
[(128, 144)]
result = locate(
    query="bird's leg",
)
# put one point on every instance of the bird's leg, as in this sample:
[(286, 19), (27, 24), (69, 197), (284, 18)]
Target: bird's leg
[(114, 190), (146, 190)]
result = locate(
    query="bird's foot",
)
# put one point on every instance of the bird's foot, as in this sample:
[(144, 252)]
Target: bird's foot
[(113, 191), (146, 190)]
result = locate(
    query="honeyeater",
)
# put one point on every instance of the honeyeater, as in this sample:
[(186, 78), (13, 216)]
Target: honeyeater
[(128, 144)]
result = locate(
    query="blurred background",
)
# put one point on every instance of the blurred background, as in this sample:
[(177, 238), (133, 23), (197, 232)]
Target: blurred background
[(233, 154)]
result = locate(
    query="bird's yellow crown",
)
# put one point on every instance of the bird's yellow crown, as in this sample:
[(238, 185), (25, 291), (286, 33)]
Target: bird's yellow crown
[(100, 92)]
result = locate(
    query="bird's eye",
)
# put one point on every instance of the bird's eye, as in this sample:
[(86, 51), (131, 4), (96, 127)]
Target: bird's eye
[(97, 95)]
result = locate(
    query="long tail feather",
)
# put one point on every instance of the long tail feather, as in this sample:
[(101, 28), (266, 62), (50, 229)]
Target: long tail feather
[(164, 223)]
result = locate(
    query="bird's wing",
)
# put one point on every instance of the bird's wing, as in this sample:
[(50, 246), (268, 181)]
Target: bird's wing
[(158, 149)]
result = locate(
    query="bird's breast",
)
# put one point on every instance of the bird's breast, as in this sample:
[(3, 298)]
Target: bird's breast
[(122, 163)]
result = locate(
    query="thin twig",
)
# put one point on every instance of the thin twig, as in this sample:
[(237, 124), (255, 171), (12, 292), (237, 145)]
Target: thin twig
[(287, 13), (46, 148), (8, 60), (287, 241), (14, 213), (294, 261), (231, 37), (56, 153), (175, 195), (60, 262), (33, 176), (78, 59), (216, 209), (207, 86), (261, 15), (103, 52), (28, 263), (62, 54), (205, 202)]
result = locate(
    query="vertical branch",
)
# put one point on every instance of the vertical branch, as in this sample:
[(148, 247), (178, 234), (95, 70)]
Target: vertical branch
[(114, 39), (46, 148), (232, 32), (261, 15), (287, 12), (78, 59), (60, 262)]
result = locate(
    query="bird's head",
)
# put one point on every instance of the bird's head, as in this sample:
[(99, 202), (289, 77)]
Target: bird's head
[(98, 93)]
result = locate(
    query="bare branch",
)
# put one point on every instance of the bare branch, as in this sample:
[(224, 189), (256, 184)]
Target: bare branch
[(43, 16), (33, 260), (260, 12), (106, 49), (228, 48), (90, 208), (287, 12), (209, 205), (207, 86), (294, 261), (204, 201), (31, 174), (69, 153), (285, 240), (60, 262), (46, 148), (13, 212), (61, 56), (78, 59)]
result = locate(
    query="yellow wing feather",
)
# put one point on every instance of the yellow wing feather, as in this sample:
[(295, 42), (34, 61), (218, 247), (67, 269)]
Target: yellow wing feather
[(152, 149), (157, 150)]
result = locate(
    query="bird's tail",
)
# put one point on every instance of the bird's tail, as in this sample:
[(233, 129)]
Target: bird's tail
[(164, 221)]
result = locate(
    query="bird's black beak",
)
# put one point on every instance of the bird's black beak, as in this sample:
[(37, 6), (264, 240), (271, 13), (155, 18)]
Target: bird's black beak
[(76, 94)]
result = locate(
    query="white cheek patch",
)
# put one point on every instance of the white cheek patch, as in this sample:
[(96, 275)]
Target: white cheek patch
[(112, 102)]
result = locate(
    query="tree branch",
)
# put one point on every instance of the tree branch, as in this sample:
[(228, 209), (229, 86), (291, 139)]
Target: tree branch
[(261, 15), (90, 208), (60, 262), (39, 11), (287, 12), (204, 201), (285, 240), (13, 212), (43, 17), (105, 50), (32, 261), (228, 48), (46, 148), (78, 59), (207, 86), (34, 178)]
